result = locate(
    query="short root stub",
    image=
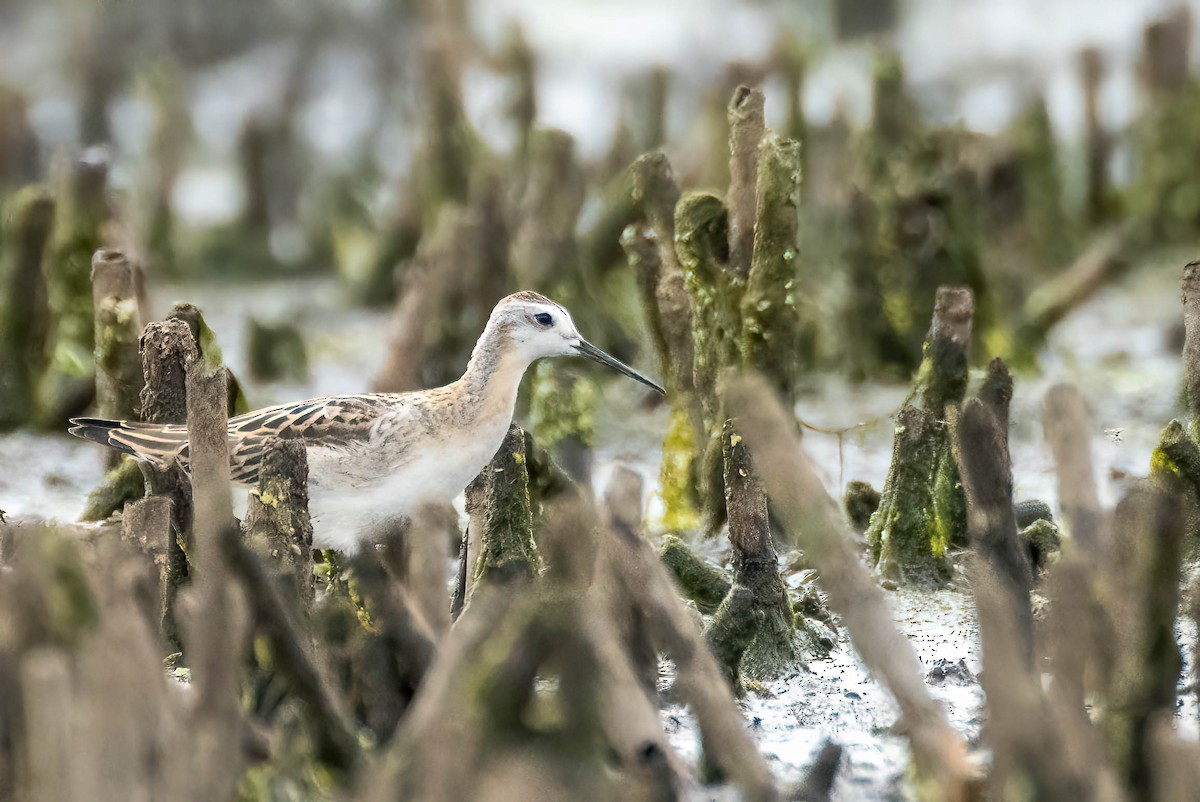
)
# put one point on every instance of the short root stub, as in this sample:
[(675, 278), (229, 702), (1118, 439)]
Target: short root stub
[(860, 502), (1043, 543)]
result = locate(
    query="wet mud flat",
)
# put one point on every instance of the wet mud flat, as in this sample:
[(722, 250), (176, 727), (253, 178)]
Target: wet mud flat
[(1118, 349), (837, 700)]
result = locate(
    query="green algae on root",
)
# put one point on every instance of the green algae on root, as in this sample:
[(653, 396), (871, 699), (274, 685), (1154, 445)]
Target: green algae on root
[(777, 336), (923, 509), (65, 387), (905, 545), (702, 246)]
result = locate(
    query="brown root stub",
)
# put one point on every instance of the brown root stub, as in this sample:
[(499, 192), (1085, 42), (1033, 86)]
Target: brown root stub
[(501, 520), (699, 580), (119, 377), (942, 377), (1067, 424), (661, 280), (1142, 600), (982, 449), (817, 785), (147, 524), (277, 521), (213, 648), (746, 129), (922, 510), (168, 350), (1191, 344), (774, 648)]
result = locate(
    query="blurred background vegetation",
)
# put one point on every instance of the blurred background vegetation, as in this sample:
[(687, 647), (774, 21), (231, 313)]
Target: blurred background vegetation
[(347, 187), (428, 157)]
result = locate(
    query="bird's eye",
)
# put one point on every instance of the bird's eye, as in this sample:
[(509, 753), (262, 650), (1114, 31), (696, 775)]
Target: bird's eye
[(543, 318)]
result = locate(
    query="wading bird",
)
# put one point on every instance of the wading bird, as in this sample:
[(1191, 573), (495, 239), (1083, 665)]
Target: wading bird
[(377, 457)]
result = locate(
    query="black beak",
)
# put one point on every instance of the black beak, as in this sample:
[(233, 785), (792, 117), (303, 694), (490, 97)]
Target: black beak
[(585, 348)]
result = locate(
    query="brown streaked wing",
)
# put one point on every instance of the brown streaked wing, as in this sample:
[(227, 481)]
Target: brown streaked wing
[(327, 420)]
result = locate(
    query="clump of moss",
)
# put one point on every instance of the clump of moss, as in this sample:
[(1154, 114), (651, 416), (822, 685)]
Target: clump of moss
[(1042, 541), (700, 581)]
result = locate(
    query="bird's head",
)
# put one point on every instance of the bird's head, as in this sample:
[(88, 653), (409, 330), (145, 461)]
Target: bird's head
[(537, 327)]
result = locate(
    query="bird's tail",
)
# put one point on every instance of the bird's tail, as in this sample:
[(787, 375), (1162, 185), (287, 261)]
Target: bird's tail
[(157, 443)]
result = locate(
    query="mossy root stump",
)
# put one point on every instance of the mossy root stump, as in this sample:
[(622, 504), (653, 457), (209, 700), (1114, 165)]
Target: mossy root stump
[(277, 521), (119, 379), (66, 386), (739, 261), (500, 544), (922, 509), (25, 321), (650, 250), (168, 349), (754, 632)]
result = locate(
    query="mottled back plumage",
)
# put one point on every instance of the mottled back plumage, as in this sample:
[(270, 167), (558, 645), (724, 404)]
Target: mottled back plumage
[(318, 421)]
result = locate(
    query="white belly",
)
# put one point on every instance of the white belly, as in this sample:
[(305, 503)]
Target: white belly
[(349, 507)]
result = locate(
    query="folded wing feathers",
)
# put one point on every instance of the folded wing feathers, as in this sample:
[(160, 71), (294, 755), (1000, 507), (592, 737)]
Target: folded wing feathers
[(318, 419)]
